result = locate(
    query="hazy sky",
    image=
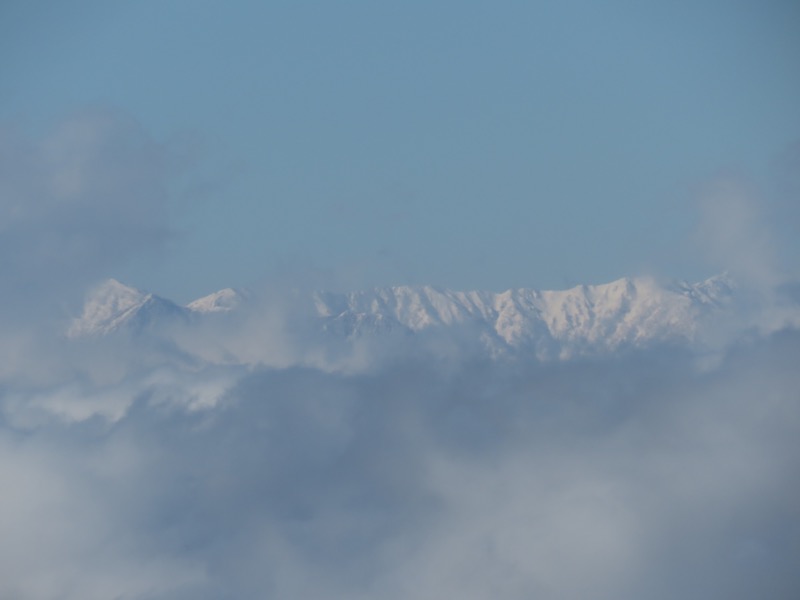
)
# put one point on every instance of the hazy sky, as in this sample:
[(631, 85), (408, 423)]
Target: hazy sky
[(464, 144), (185, 146)]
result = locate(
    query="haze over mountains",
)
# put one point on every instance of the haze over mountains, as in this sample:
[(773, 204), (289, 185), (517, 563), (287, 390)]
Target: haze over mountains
[(545, 325), (633, 440), (407, 442)]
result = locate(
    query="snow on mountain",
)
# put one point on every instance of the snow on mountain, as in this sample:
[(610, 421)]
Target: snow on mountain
[(629, 312), (222, 301), (584, 318), (112, 306)]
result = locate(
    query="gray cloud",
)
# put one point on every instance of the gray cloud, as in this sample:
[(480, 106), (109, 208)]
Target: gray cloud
[(403, 469), (76, 203), (618, 478)]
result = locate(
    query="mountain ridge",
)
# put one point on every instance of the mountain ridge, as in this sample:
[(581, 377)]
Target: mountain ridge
[(628, 312)]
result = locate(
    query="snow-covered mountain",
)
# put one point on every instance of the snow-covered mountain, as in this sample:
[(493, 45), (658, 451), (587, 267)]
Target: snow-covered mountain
[(630, 312), (113, 306), (551, 323), (222, 301)]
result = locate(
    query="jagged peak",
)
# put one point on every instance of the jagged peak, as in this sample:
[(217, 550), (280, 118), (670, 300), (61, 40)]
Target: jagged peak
[(112, 290), (627, 310), (223, 300), (111, 303)]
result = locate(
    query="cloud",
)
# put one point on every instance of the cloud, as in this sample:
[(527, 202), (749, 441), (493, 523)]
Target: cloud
[(735, 234), (74, 204), (396, 468), (624, 477), (742, 230)]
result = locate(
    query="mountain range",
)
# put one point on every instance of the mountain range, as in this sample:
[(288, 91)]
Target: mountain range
[(587, 319)]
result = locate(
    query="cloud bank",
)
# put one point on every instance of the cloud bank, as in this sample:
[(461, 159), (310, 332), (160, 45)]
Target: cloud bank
[(617, 478), (133, 470)]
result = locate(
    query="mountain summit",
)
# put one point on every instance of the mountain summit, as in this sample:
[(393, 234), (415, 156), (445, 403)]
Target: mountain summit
[(222, 301), (564, 322), (547, 324), (112, 306)]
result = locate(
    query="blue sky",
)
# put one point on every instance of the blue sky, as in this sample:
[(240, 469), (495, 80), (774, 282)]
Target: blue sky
[(464, 144), (185, 146)]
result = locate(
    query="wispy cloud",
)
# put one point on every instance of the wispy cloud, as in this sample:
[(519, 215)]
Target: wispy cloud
[(618, 478), (132, 468), (734, 232), (76, 203)]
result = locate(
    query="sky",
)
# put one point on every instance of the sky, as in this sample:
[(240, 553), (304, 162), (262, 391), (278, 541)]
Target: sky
[(273, 452), (469, 145)]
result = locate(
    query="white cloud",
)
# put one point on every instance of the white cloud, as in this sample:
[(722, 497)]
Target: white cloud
[(735, 234), (618, 478), (404, 470)]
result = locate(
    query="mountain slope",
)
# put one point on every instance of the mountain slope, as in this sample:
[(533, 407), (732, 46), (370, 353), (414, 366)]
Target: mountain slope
[(222, 301), (624, 312), (546, 324), (113, 306)]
